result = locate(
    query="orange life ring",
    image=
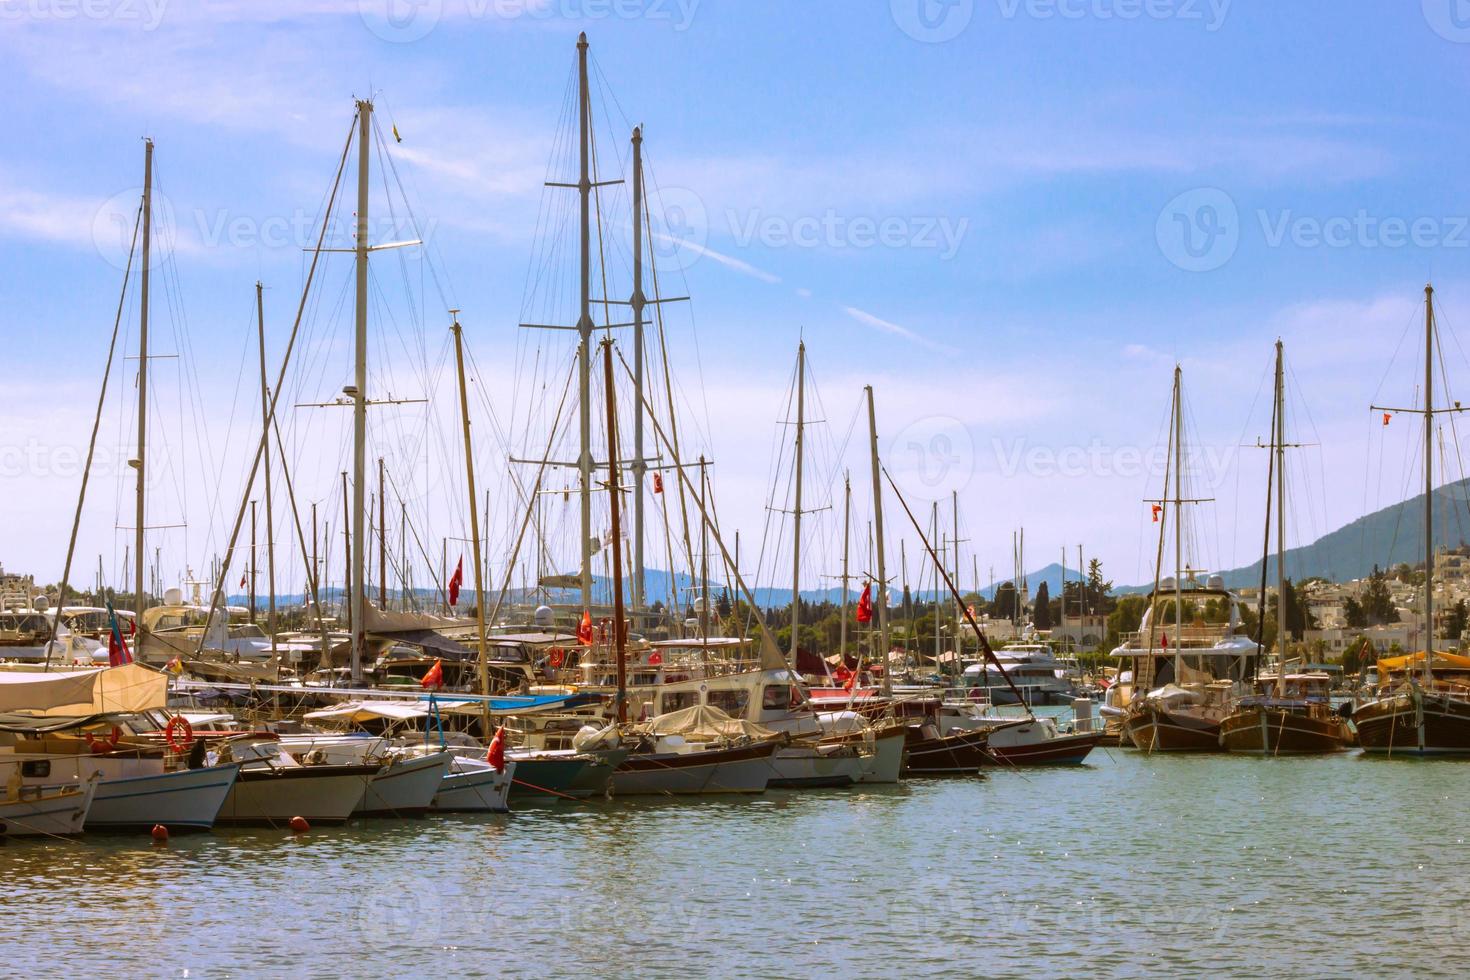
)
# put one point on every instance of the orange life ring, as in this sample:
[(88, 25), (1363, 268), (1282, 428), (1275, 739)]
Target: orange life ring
[(557, 655), (96, 744), (174, 724)]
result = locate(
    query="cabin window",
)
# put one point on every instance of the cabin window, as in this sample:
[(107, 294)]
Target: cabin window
[(730, 702), (679, 700), (36, 768), (778, 697)]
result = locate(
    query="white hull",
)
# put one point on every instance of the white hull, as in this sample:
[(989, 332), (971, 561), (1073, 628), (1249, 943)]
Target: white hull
[(797, 767), (54, 811), (185, 798), (472, 786), (321, 794), (405, 786), (886, 761)]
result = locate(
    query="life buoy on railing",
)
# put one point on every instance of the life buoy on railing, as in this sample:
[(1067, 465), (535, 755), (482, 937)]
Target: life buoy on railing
[(170, 733), (99, 745), (558, 655)]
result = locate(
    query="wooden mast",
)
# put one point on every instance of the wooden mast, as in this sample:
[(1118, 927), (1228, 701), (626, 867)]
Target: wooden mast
[(469, 468), (359, 399), (270, 536), (796, 513), (614, 507), (140, 602)]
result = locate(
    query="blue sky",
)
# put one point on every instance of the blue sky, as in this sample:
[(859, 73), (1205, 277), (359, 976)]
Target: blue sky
[(1010, 217)]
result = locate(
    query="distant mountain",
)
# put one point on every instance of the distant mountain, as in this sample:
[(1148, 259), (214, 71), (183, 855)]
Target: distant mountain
[(1385, 537)]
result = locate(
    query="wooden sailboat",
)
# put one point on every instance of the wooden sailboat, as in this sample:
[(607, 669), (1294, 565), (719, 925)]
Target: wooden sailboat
[(1183, 715), (1287, 714), (1428, 714)]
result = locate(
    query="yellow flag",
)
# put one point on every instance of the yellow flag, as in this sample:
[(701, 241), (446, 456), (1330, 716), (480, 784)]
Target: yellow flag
[(395, 133)]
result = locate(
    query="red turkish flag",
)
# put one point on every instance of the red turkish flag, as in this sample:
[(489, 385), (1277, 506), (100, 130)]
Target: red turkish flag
[(584, 629), (865, 604), (1157, 509), (658, 483), (1386, 417), (455, 581), (434, 679)]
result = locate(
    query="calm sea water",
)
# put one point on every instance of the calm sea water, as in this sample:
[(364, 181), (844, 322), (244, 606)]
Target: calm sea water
[(1128, 866)]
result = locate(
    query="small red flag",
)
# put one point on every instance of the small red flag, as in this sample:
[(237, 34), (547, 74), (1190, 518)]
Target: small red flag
[(242, 580), (117, 646), (1157, 510), (434, 679), (655, 659), (1386, 417), (496, 755), (658, 483), (1164, 640), (865, 604), (584, 629), (455, 581)]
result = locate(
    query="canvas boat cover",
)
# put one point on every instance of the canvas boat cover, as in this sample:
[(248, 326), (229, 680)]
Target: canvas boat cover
[(1397, 665), (128, 689), (704, 722)]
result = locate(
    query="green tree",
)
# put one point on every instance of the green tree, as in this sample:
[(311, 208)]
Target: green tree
[(1354, 615), (1378, 601), (1041, 610), (1004, 604), (1126, 617), (1455, 621)]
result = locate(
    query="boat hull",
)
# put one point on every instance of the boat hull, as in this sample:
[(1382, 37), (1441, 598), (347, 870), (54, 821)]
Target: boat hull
[(55, 811), (1153, 728), (321, 794), (185, 799), (543, 778), (796, 767), (1282, 731), (1060, 750), (474, 787), (405, 787), (743, 769), (1415, 723), (961, 753)]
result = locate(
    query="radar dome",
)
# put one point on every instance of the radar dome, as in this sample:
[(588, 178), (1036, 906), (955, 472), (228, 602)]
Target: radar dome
[(544, 616)]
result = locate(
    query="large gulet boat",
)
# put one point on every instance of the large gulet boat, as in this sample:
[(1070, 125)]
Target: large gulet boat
[(1421, 712), (1287, 714), (1190, 670)]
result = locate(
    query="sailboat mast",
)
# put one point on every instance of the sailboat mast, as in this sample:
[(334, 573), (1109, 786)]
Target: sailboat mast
[(1178, 523), (614, 507), (584, 318), (846, 544), (882, 597), (140, 601), (359, 398), (469, 469), (959, 612), (934, 517), (637, 301), (796, 513), (1428, 483), (270, 536), (1280, 440)]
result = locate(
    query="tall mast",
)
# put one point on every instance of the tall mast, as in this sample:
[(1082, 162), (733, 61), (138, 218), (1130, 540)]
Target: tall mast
[(796, 514), (846, 544), (959, 612), (703, 557), (1279, 437), (584, 317), (1064, 587), (359, 399), (1178, 524), (140, 601), (382, 537), (619, 633), (640, 465), (469, 468), (1428, 484), (938, 589), (270, 536), (878, 543)]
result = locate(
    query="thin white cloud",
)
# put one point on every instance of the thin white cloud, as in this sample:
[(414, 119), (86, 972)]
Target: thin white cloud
[(889, 327)]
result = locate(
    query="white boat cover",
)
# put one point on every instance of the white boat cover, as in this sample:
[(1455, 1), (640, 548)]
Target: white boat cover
[(705, 721), (127, 689)]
